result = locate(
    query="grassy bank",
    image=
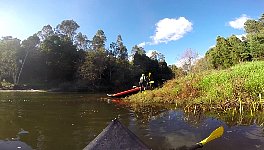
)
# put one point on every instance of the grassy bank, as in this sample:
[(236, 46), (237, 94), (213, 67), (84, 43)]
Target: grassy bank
[(240, 88)]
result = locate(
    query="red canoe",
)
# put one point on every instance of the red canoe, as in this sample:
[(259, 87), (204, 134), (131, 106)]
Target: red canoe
[(125, 93)]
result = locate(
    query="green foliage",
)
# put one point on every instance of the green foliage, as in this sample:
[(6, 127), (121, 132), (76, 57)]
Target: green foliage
[(239, 87), (94, 66), (29, 46), (98, 42), (254, 26), (58, 56), (216, 85), (159, 70), (9, 60), (201, 65), (223, 84), (61, 57), (232, 50), (138, 50), (82, 42), (118, 50), (252, 73), (67, 28), (256, 45)]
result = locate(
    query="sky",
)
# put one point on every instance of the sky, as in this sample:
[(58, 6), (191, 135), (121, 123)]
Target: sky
[(167, 26)]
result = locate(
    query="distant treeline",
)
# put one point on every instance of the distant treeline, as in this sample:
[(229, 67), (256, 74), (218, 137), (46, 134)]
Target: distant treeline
[(233, 50), (61, 58)]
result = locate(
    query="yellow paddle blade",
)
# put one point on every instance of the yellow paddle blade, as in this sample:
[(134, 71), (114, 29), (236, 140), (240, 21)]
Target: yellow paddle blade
[(215, 134), (151, 82)]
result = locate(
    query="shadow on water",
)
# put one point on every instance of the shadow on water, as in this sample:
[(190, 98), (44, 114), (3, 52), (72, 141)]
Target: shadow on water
[(69, 121)]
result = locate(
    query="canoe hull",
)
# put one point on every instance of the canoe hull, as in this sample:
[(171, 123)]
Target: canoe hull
[(116, 136), (125, 93)]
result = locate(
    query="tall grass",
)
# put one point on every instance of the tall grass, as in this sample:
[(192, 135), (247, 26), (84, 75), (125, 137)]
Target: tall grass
[(238, 88)]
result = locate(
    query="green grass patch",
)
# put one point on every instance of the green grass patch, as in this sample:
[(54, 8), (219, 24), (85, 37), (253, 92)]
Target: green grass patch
[(240, 87)]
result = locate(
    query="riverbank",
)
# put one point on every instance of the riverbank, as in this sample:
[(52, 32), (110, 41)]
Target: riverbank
[(239, 89), (22, 91)]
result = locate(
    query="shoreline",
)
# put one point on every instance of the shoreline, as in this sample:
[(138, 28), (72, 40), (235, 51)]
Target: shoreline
[(32, 90)]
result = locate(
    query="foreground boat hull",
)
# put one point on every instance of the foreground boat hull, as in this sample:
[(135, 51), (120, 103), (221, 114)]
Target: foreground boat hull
[(116, 137)]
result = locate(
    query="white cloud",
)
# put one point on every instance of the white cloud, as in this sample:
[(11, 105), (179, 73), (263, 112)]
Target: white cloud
[(143, 44), (240, 36), (211, 46), (238, 23), (149, 52), (170, 30)]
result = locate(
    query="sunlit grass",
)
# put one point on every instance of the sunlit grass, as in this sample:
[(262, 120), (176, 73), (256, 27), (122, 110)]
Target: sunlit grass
[(239, 88)]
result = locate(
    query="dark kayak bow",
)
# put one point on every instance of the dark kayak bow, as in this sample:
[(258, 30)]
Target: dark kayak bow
[(116, 136)]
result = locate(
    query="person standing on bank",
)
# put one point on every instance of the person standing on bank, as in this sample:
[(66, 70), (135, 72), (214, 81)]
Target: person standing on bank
[(142, 82)]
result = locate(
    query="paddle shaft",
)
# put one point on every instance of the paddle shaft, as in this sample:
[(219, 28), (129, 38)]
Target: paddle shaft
[(196, 146), (193, 147)]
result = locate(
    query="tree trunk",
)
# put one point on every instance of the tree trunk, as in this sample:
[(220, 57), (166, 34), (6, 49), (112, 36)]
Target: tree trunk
[(22, 67)]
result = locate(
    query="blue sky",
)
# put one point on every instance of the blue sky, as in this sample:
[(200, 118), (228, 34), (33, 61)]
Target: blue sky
[(168, 26)]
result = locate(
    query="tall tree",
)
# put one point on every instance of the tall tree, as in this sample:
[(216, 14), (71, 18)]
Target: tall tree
[(238, 51), (256, 45), (29, 45), (45, 32), (161, 57), (255, 36), (113, 49), (61, 57), (189, 56), (253, 26), (154, 55), (9, 62), (82, 42), (223, 50), (99, 40), (122, 50), (95, 63), (68, 28), (93, 67), (137, 49)]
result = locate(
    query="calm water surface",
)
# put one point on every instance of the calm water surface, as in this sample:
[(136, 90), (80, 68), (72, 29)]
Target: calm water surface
[(69, 121)]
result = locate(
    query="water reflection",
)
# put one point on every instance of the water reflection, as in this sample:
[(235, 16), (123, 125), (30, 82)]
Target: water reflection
[(169, 128), (54, 120), (69, 121)]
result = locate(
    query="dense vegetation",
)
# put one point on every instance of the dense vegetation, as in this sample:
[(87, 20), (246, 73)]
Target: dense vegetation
[(239, 87), (61, 58), (229, 78), (232, 50)]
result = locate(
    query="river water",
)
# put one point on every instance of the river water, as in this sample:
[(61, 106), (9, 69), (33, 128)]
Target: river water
[(69, 121)]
